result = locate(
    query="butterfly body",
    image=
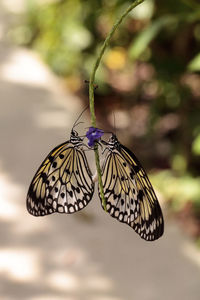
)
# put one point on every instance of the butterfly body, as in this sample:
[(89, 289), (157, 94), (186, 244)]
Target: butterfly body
[(63, 182), (128, 192)]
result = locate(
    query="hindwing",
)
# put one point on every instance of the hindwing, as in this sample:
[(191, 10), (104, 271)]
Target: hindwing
[(119, 188), (149, 224), (129, 195)]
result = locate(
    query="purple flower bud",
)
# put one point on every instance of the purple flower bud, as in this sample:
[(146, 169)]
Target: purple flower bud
[(93, 135)]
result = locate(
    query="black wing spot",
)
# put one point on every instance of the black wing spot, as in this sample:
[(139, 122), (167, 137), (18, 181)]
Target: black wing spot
[(56, 189), (61, 156), (122, 178), (44, 176), (54, 165), (136, 169), (51, 158), (67, 171), (122, 202), (62, 195), (124, 164), (140, 195), (114, 176), (78, 190), (71, 194), (53, 178), (77, 172), (131, 175)]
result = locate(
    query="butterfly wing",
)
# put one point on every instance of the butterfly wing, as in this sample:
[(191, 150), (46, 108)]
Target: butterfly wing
[(63, 182), (119, 188), (130, 197), (149, 224)]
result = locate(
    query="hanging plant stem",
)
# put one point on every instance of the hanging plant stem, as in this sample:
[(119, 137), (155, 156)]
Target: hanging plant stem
[(91, 90)]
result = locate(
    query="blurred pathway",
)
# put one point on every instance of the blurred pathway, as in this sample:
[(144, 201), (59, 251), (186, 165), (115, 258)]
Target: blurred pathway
[(86, 256)]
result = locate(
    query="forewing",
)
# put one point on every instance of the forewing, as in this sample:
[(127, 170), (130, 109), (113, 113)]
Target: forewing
[(119, 188), (63, 182), (149, 224)]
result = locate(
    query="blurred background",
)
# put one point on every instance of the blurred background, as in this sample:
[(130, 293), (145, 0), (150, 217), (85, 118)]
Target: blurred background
[(149, 82)]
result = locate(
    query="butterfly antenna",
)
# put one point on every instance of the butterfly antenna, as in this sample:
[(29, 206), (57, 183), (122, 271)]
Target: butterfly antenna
[(76, 122)]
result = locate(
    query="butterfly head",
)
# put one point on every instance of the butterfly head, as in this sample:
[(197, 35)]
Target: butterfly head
[(113, 141), (75, 138)]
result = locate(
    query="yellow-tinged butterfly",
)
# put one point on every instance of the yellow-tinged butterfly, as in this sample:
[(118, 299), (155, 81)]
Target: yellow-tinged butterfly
[(63, 182), (129, 195)]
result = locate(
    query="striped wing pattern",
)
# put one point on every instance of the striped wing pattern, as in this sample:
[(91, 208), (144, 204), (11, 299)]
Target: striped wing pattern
[(149, 224), (63, 182), (129, 195), (119, 188)]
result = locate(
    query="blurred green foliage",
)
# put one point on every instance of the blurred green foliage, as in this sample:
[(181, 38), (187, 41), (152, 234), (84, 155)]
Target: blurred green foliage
[(149, 77)]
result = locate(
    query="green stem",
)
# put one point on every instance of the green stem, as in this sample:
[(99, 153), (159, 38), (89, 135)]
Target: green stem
[(91, 91)]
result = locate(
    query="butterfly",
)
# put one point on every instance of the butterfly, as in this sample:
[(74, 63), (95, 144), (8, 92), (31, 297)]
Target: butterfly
[(63, 183), (129, 195)]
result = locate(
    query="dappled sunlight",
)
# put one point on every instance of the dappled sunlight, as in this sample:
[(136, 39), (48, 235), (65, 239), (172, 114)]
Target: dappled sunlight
[(1, 31), (50, 297), (71, 256), (87, 255), (12, 208), (26, 256), (105, 297), (63, 281), (24, 67), (191, 252), (9, 209), (58, 119), (15, 6), (28, 226), (99, 283), (20, 264)]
